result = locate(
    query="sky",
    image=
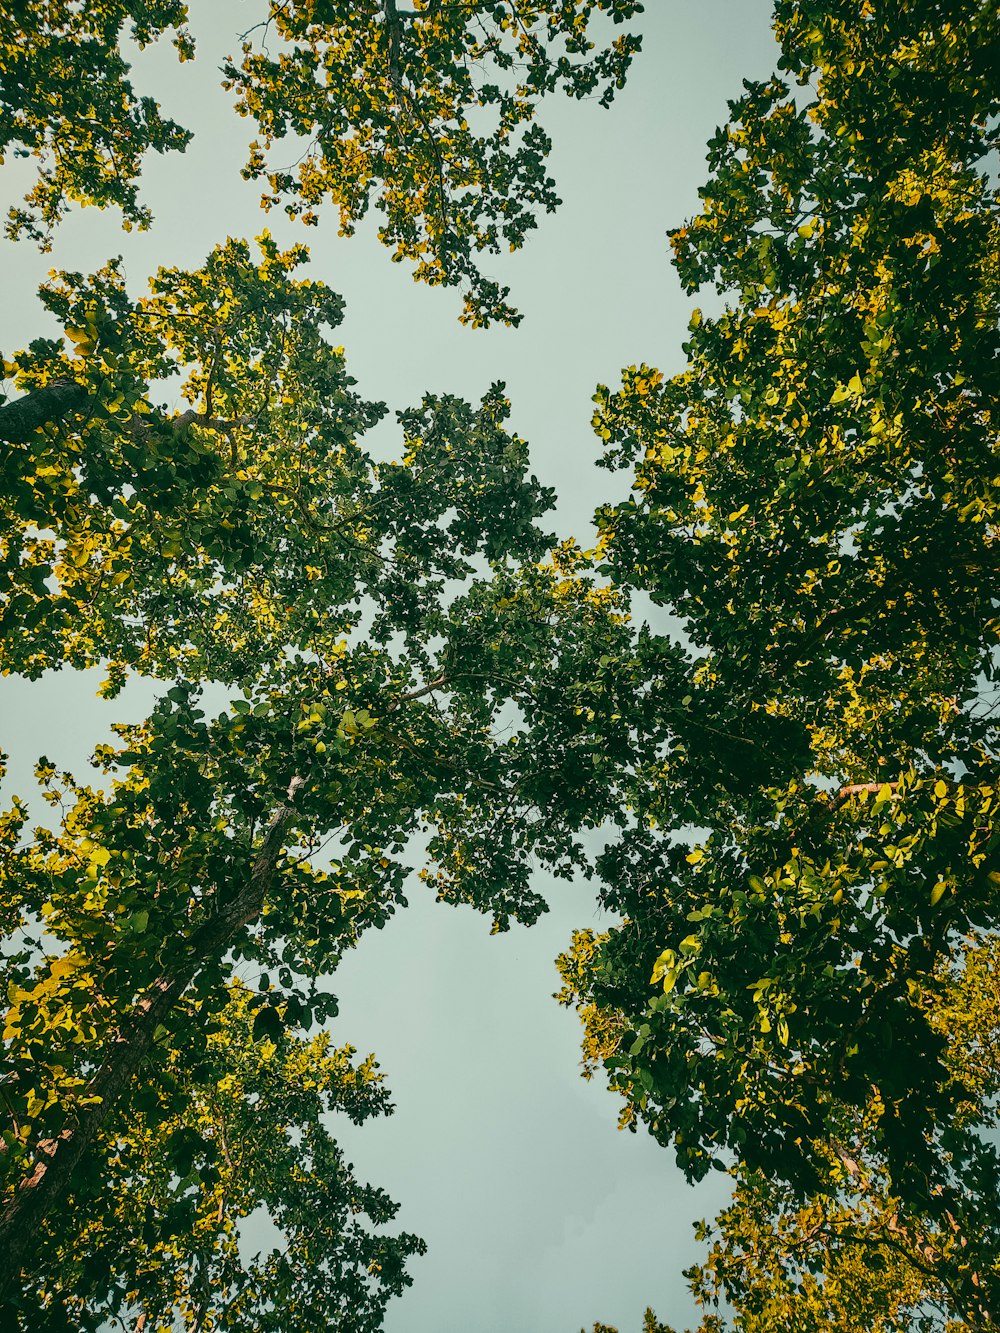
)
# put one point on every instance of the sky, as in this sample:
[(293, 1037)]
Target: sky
[(539, 1215)]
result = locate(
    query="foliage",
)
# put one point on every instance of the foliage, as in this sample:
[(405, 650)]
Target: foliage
[(804, 782), (173, 552), (430, 110), (208, 1136), (852, 1256), (396, 658), (816, 501), (399, 661), (66, 100), (650, 1324)]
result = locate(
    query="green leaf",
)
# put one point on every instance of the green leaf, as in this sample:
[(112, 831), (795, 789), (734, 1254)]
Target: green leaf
[(267, 1024)]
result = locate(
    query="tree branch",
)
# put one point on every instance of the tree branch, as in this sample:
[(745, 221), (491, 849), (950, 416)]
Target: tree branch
[(20, 419), (52, 403), (392, 18)]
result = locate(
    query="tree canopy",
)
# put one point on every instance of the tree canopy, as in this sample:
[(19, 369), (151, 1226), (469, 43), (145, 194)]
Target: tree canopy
[(815, 500), (66, 100), (429, 111), (373, 625), (371, 667), (244, 541), (432, 112)]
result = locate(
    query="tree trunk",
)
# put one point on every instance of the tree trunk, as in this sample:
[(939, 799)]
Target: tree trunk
[(20, 419), (42, 1190)]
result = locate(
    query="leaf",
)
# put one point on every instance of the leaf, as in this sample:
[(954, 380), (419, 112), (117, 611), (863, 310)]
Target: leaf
[(267, 1024), (64, 967), (665, 961), (138, 922)]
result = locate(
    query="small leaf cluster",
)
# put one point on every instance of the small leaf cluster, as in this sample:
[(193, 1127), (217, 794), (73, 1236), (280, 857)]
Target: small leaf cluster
[(430, 113), (66, 100), (211, 1134)]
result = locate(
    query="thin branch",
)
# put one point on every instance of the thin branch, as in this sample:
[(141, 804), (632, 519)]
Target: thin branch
[(429, 688), (857, 788), (392, 17)]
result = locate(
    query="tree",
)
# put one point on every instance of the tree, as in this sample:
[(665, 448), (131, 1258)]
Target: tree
[(374, 624), (815, 499), (432, 109), (211, 1135), (154, 509), (428, 110)]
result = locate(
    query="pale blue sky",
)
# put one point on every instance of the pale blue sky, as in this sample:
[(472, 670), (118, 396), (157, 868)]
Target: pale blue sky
[(539, 1216)]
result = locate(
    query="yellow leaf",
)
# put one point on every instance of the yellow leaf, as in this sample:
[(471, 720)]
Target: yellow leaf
[(663, 964), (63, 967), (77, 555)]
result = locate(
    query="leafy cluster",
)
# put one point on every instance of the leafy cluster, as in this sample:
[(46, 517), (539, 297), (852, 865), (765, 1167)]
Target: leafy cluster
[(215, 1131), (161, 539), (66, 100), (432, 112)]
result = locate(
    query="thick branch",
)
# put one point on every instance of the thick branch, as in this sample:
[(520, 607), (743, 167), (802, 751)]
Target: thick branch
[(392, 17), (53, 402), (419, 693), (856, 788), (859, 789), (190, 417)]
